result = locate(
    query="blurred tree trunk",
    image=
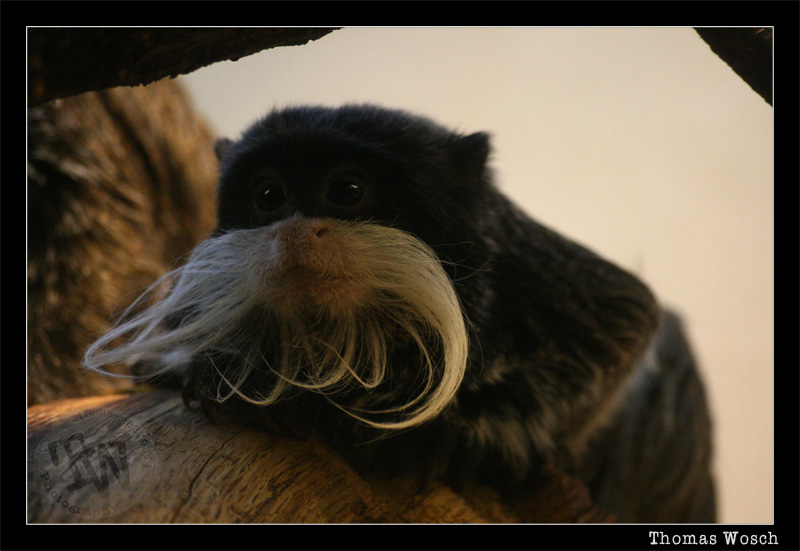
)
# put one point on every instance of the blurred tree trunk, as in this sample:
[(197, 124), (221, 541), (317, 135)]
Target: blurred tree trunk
[(121, 184)]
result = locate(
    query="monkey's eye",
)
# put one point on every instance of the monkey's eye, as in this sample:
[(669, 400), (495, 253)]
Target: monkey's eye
[(269, 196), (345, 190)]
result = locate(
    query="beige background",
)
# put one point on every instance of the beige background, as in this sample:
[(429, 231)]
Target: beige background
[(637, 142)]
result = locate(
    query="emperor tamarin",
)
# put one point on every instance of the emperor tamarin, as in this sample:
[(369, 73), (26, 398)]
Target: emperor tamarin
[(367, 283)]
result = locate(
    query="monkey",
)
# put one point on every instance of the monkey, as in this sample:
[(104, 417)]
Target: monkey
[(369, 285)]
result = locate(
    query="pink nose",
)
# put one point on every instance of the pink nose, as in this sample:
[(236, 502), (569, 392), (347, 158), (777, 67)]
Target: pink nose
[(304, 242), (298, 231)]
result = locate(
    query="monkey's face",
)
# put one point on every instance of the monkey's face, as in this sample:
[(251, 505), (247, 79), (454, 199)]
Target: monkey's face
[(298, 171), (330, 269)]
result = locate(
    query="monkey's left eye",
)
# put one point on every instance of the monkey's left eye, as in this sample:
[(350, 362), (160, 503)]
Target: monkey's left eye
[(345, 190)]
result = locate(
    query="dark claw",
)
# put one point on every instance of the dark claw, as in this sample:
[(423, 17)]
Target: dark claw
[(195, 378), (210, 408), (189, 392)]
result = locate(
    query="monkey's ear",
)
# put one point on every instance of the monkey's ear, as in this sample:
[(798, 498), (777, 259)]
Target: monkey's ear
[(471, 151), (221, 147)]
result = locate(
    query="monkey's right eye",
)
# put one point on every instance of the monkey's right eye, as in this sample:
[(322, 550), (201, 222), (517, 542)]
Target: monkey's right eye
[(269, 197)]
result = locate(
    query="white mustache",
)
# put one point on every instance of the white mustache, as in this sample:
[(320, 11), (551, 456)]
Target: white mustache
[(330, 297)]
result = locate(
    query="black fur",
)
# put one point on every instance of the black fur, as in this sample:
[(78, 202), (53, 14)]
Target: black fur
[(555, 330)]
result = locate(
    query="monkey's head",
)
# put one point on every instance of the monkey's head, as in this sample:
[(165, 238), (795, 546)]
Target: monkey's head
[(348, 249)]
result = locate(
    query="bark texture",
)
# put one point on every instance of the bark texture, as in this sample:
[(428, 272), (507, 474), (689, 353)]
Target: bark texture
[(176, 467)]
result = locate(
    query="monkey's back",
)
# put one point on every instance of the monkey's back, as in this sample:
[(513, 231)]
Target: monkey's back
[(653, 463)]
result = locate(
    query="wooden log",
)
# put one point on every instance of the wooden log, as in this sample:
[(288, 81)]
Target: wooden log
[(146, 458), (199, 473)]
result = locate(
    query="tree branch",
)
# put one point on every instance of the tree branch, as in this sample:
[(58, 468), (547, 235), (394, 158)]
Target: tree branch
[(68, 61), (747, 51)]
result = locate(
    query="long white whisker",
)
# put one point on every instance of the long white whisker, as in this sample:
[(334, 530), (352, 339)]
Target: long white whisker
[(227, 302)]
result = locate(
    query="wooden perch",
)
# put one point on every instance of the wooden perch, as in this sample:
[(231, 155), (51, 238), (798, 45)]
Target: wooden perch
[(146, 458), (67, 61)]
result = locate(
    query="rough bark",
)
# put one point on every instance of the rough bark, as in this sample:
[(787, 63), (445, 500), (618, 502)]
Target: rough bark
[(68, 61), (182, 469)]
